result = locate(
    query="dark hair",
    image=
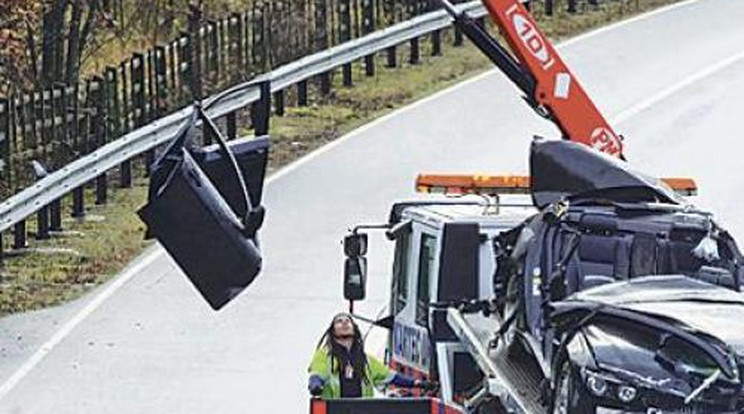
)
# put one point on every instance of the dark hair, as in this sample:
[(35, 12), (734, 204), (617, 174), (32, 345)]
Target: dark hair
[(358, 356)]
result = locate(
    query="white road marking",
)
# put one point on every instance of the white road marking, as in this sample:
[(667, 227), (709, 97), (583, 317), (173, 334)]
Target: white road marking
[(68, 327), (9, 384), (667, 92)]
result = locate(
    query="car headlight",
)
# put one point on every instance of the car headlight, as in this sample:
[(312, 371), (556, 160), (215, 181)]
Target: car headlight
[(597, 385), (626, 393), (605, 386)]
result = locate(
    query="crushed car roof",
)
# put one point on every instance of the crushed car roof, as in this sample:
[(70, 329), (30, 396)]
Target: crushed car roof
[(565, 169)]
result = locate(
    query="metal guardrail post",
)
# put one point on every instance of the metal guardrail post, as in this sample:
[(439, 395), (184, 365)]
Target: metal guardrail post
[(302, 93), (42, 216), (42, 223), (261, 110), (392, 57), (55, 215), (19, 235), (459, 38), (325, 83), (78, 202), (231, 122), (415, 57), (436, 43), (208, 136), (279, 103)]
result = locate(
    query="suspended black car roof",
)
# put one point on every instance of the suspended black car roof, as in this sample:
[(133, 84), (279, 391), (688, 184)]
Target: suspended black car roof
[(565, 169)]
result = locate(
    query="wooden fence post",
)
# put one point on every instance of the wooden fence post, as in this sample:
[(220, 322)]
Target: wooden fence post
[(138, 98), (161, 81), (213, 59), (172, 70), (258, 40), (185, 68), (34, 116), (45, 116), (415, 54), (344, 35), (195, 53), (236, 47), (97, 99), (321, 41), (151, 105), (5, 122), (368, 26)]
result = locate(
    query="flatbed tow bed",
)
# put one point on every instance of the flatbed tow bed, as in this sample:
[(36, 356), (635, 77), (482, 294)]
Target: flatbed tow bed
[(510, 376)]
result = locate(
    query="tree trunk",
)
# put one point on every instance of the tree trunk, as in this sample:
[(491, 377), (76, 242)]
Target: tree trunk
[(53, 38), (72, 71), (93, 7)]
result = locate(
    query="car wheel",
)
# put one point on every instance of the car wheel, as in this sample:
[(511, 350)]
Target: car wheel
[(570, 395)]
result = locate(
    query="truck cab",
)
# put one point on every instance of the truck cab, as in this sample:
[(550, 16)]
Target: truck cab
[(443, 254)]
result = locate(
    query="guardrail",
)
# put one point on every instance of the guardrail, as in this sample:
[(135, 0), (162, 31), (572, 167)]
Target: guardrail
[(44, 196)]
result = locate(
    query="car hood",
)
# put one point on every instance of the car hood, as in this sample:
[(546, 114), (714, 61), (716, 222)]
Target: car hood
[(565, 169), (691, 304)]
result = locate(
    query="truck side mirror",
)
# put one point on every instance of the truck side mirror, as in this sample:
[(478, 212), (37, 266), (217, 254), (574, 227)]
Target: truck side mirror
[(355, 245), (355, 278)]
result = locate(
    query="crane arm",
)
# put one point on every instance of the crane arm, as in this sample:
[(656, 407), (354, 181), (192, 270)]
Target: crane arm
[(538, 71)]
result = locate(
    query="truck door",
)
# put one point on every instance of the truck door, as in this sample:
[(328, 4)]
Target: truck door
[(414, 269)]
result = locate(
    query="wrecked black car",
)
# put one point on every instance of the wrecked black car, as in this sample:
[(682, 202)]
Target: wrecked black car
[(627, 297)]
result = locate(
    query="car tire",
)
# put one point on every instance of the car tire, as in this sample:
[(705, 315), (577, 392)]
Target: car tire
[(570, 396)]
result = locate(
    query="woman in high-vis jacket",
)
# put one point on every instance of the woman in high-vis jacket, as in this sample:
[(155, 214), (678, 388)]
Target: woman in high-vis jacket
[(341, 369)]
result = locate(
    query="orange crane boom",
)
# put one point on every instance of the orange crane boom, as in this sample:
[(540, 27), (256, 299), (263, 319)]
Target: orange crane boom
[(535, 66)]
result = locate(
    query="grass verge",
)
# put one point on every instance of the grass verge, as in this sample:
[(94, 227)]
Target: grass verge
[(51, 271)]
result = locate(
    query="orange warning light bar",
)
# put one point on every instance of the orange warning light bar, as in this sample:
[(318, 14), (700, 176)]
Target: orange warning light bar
[(683, 186), (461, 184), (472, 184)]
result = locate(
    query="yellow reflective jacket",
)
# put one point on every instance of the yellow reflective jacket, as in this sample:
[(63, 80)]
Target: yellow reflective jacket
[(322, 365)]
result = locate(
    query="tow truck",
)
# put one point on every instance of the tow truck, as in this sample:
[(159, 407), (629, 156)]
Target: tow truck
[(605, 292)]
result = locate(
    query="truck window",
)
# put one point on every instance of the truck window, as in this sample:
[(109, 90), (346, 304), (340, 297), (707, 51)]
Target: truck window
[(400, 273), (426, 269)]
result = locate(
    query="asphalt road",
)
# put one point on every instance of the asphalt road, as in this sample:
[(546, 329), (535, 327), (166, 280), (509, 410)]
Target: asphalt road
[(673, 82)]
